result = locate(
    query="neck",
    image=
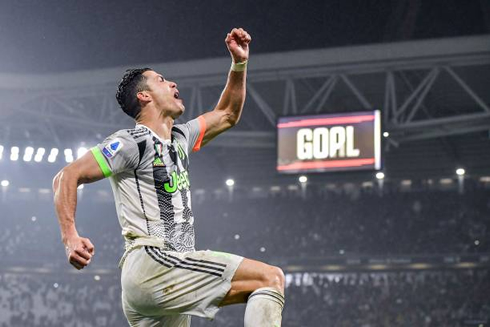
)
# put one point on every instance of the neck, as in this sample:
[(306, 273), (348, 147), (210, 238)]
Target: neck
[(160, 124)]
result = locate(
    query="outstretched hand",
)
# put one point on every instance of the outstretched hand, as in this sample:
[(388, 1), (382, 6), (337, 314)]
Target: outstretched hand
[(237, 43)]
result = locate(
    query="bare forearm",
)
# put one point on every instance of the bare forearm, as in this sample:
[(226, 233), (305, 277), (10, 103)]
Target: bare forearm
[(65, 201), (233, 97)]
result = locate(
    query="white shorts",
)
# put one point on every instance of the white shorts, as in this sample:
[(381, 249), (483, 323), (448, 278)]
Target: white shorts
[(163, 288)]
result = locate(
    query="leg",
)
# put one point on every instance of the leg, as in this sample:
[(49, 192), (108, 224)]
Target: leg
[(262, 287), (250, 276)]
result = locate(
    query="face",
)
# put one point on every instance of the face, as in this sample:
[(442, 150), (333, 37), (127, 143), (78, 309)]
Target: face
[(164, 94)]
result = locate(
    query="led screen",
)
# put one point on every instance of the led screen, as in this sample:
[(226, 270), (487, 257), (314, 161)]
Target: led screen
[(334, 142)]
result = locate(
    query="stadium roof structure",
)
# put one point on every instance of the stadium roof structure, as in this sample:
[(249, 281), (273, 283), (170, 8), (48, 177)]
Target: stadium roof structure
[(433, 95)]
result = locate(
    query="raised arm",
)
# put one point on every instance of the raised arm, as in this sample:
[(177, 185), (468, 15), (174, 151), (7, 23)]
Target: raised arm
[(79, 250), (230, 105)]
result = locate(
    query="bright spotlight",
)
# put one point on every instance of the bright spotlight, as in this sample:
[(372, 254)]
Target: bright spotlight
[(68, 155), (303, 179), (28, 154), (14, 153), (386, 134), (39, 154), (53, 154), (230, 182), (81, 151), (460, 171), (5, 183), (380, 175)]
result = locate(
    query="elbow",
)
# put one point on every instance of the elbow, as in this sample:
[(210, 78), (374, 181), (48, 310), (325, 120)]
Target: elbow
[(65, 175), (233, 119), (233, 122), (56, 181)]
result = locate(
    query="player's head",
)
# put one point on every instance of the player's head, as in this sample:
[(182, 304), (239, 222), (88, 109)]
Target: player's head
[(141, 87), (132, 82)]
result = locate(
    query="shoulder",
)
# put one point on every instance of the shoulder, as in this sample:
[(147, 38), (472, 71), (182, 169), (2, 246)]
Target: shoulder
[(180, 130), (130, 136), (125, 140)]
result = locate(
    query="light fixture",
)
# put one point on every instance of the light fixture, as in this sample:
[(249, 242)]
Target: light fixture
[(68, 155), (230, 182), (380, 175), (14, 153), (29, 151), (303, 179), (39, 154)]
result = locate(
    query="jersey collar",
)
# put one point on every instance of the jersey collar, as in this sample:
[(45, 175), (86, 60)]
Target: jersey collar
[(154, 134)]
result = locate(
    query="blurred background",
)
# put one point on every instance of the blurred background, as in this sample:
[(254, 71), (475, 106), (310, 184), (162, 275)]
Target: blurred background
[(405, 245)]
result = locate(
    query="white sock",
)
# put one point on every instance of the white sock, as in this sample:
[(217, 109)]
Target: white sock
[(264, 308)]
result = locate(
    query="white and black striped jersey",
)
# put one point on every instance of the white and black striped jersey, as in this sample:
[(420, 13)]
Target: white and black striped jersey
[(150, 180)]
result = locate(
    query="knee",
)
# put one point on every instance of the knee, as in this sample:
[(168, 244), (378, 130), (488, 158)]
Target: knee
[(274, 277)]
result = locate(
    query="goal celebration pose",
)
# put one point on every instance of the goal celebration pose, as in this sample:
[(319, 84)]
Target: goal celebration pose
[(164, 279)]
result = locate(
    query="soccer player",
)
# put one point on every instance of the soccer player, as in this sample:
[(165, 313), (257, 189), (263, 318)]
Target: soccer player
[(164, 279)]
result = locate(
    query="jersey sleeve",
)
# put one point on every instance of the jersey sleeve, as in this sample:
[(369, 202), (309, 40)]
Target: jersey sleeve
[(193, 132), (117, 153)]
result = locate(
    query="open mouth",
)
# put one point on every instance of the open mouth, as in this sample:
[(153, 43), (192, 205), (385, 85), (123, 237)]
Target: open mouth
[(176, 95)]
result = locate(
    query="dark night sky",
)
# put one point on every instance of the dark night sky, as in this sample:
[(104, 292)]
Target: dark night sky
[(52, 35)]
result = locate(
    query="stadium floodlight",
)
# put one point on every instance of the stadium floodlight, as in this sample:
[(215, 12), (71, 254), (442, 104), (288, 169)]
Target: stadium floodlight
[(386, 134), (1, 151), (303, 179), (29, 151), (5, 183), (380, 175), (14, 153), (68, 155), (230, 182), (53, 154), (81, 151), (460, 172), (39, 154)]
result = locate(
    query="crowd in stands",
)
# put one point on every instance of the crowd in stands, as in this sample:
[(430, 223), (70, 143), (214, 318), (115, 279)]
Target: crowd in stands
[(327, 224), (403, 299)]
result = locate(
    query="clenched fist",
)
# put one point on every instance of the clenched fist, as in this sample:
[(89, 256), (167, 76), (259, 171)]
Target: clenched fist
[(237, 43), (79, 251)]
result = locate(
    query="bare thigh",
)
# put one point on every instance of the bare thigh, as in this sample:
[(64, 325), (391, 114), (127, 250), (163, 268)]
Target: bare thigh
[(250, 276)]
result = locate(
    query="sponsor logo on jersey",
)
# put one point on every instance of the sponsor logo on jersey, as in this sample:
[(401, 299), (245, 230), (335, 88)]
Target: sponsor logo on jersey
[(180, 151), (178, 181), (112, 148), (158, 162)]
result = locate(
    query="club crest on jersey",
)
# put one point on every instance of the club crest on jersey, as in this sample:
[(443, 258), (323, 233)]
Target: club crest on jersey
[(112, 148)]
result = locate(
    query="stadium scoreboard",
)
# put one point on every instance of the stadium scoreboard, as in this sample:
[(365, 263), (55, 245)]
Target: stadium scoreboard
[(334, 142)]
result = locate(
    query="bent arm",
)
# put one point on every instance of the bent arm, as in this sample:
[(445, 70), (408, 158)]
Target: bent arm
[(229, 108), (65, 183)]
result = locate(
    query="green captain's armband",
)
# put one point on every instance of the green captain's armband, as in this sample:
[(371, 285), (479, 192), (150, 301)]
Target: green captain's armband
[(99, 157)]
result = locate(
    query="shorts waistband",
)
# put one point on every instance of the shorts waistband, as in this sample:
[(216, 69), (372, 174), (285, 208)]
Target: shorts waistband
[(136, 243)]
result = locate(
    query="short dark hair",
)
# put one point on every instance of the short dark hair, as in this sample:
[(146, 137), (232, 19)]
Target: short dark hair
[(132, 82)]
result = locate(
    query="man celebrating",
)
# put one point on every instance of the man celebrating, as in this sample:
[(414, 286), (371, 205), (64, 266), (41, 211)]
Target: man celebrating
[(164, 279)]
